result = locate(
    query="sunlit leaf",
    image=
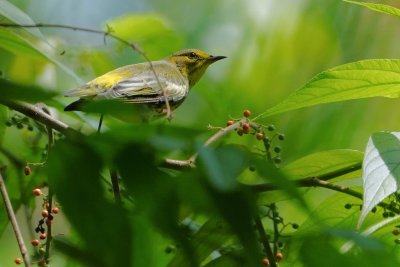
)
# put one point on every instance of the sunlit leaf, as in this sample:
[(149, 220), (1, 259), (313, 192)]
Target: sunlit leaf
[(150, 30), (11, 42), (334, 162), (381, 172), (361, 79), (32, 36), (391, 10)]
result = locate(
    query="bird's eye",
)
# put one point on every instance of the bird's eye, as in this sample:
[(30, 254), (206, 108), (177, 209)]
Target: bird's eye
[(193, 55)]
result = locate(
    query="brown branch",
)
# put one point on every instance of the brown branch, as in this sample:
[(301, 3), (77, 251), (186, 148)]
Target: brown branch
[(134, 46), (14, 223), (39, 115)]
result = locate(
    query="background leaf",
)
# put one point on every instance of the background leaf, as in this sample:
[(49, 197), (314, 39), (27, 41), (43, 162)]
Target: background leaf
[(386, 9)]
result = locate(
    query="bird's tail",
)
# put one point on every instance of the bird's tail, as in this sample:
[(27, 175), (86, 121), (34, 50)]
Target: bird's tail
[(77, 105)]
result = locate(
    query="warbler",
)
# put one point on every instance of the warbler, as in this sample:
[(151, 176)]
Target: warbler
[(148, 84)]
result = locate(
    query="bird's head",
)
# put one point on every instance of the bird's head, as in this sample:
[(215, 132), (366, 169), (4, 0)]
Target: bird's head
[(192, 63)]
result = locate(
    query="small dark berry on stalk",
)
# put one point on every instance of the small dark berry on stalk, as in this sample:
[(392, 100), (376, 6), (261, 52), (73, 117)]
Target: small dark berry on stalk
[(281, 137), (277, 149), (277, 160), (252, 168), (271, 127), (260, 136), (295, 226), (27, 170), (348, 206)]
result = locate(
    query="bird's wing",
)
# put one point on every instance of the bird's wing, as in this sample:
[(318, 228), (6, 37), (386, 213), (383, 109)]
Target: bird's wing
[(136, 84), (145, 87)]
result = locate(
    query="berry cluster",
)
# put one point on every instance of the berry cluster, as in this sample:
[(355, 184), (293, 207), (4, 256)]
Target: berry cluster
[(19, 121), (264, 133), (46, 221), (275, 236)]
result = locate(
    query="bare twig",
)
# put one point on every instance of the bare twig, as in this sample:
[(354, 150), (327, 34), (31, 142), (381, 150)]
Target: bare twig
[(14, 223)]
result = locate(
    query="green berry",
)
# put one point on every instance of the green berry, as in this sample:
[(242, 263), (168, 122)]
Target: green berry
[(348, 206)]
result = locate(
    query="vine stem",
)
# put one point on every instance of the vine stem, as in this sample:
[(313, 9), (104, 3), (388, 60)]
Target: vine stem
[(264, 240), (14, 223)]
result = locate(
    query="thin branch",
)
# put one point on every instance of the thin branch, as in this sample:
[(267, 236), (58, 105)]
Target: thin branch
[(14, 223), (115, 186), (105, 33), (39, 115), (265, 242)]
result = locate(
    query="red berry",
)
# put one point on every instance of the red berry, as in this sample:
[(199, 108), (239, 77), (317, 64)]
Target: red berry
[(229, 123), (27, 170), (18, 261), (246, 113), (55, 210), (43, 236), (37, 192), (265, 262), (260, 136), (45, 213), (35, 242), (246, 126), (279, 256)]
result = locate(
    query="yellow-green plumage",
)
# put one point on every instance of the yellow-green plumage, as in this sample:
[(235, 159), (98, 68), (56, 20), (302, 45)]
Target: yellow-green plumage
[(138, 84)]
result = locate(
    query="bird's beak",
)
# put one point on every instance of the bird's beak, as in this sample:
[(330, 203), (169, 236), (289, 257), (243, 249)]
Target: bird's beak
[(213, 59)]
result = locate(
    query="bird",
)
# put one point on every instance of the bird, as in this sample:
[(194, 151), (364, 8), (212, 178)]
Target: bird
[(149, 83)]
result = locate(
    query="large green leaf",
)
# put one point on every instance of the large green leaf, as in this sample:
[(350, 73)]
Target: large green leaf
[(103, 227), (378, 7), (338, 161), (361, 79), (381, 172), (150, 30)]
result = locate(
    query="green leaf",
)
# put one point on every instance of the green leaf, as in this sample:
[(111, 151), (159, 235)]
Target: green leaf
[(378, 7), (13, 91), (278, 179), (223, 165), (325, 162), (14, 44), (32, 36), (211, 237), (103, 227), (381, 172), (150, 30), (14, 14), (361, 79)]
